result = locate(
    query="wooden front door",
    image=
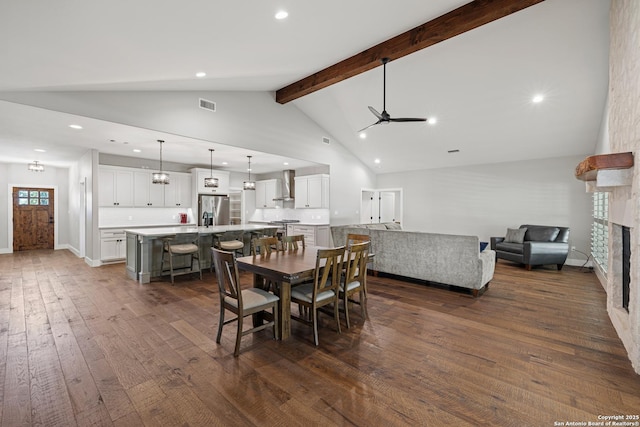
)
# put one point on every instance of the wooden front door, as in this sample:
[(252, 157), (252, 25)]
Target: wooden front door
[(33, 224)]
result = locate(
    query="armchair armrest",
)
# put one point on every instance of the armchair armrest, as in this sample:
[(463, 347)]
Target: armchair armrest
[(547, 248), (495, 241)]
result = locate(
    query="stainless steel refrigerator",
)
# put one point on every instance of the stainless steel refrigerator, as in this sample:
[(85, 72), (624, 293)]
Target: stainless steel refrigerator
[(213, 210)]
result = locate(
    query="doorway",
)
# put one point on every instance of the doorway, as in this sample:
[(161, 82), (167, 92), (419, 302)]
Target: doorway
[(33, 218), (381, 205)]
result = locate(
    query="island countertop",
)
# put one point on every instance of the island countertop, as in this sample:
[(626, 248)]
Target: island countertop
[(167, 231)]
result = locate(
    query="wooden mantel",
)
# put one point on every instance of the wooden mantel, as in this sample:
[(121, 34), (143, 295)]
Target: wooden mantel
[(588, 169)]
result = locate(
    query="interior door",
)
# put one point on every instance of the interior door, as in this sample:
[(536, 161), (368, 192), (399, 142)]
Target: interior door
[(387, 206), (33, 218)]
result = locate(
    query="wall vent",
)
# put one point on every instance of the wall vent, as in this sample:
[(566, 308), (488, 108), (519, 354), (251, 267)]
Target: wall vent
[(207, 105), (326, 140)]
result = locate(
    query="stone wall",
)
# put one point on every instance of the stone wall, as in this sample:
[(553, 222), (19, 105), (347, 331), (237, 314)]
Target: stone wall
[(624, 135)]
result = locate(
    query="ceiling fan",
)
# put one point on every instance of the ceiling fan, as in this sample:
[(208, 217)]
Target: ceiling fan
[(384, 117)]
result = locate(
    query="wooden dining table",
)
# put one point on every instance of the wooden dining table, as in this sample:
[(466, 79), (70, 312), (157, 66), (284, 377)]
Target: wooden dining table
[(287, 268)]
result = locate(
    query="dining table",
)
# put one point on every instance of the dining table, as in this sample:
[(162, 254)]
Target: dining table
[(287, 269)]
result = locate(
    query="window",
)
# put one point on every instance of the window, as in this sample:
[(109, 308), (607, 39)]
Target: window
[(33, 197), (600, 230)]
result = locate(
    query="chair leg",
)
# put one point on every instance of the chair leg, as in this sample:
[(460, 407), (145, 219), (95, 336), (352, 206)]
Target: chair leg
[(276, 323), (238, 336), (314, 324), (171, 267), (220, 324), (346, 310), (336, 313), (363, 305)]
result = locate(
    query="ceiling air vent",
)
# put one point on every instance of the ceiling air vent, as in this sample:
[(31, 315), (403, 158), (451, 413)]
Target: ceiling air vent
[(207, 105), (326, 140)]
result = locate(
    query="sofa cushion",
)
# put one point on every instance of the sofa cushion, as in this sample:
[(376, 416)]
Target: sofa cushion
[(541, 234), (376, 227), (515, 235), (392, 226), (515, 248)]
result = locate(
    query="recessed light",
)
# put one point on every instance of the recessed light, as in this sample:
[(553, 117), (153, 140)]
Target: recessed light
[(39, 150), (376, 161), (201, 74), (538, 98), (363, 135), (75, 126), (286, 163), (137, 150), (225, 163), (282, 14), (432, 120)]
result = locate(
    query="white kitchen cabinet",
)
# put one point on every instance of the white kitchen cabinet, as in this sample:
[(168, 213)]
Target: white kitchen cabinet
[(314, 235), (266, 191), (145, 193), (115, 187), (223, 181), (178, 192), (312, 192), (113, 245)]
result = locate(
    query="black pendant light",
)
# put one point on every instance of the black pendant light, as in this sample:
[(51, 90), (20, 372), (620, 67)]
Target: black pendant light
[(160, 177), (211, 182), (249, 185)]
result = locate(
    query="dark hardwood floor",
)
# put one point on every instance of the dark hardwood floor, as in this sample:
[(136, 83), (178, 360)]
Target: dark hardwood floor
[(87, 346)]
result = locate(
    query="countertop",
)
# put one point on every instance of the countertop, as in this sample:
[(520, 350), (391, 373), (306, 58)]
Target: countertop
[(129, 226), (166, 231)]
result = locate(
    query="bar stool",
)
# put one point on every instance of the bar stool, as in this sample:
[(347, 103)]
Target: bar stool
[(188, 247), (229, 241)]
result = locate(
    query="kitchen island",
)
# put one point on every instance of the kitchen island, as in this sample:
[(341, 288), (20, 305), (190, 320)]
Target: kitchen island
[(144, 246)]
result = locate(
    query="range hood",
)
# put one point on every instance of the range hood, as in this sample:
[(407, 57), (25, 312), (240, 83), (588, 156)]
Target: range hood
[(288, 185)]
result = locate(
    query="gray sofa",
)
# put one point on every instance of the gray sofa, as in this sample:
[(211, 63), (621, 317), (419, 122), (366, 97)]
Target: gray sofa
[(538, 245), (441, 258)]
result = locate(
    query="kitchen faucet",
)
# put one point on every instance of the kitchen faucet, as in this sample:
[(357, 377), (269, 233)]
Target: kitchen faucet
[(205, 216)]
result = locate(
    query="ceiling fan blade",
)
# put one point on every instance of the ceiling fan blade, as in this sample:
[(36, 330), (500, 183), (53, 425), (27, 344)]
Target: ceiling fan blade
[(407, 119), (376, 123), (375, 113)]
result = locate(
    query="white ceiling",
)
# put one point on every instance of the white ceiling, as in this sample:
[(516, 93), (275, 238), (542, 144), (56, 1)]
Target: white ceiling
[(478, 85)]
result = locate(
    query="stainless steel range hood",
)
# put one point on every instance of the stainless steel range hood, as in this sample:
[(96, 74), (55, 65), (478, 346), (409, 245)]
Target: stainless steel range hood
[(288, 185)]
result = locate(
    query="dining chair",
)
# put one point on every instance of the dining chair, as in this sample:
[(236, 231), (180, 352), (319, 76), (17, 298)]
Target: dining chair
[(322, 291), (264, 245), (290, 243), (173, 248), (357, 238), (241, 302), (355, 279)]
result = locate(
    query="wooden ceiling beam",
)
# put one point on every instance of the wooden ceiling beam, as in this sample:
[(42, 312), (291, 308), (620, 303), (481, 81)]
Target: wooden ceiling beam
[(465, 18)]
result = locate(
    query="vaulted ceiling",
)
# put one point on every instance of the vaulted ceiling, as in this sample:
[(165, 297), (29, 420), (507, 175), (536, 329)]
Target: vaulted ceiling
[(477, 85)]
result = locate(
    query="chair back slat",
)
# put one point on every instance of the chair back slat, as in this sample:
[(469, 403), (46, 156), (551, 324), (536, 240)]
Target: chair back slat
[(357, 238), (227, 275), (357, 257), (265, 245), (328, 270), (290, 243)]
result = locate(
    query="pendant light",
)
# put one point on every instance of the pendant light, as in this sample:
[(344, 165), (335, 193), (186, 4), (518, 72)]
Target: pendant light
[(35, 167), (160, 177), (211, 182), (249, 185)]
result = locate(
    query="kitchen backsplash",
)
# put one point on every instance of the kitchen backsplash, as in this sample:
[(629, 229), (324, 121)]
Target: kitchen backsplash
[(129, 217), (311, 216)]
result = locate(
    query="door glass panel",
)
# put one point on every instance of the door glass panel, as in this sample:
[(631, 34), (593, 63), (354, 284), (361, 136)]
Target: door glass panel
[(44, 194), (23, 201), (33, 201), (23, 193), (33, 193), (44, 202)]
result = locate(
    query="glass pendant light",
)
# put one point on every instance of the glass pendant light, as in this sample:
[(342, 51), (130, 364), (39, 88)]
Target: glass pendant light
[(35, 167), (211, 182), (160, 177), (249, 185)]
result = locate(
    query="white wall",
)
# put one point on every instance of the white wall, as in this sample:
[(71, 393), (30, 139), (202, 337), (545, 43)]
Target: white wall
[(485, 200)]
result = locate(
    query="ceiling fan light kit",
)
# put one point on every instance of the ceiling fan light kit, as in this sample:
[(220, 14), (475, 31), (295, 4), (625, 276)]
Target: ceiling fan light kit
[(384, 117)]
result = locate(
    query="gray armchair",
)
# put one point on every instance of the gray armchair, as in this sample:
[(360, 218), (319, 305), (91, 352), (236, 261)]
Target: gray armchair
[(533, 245)]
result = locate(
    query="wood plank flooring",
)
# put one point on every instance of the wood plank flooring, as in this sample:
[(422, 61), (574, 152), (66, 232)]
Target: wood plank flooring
[(87, 346)]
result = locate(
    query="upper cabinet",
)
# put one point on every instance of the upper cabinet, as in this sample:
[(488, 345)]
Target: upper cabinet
[(312, 192), (266, 191), (178, 192), (223, 181), (115, 187), (129, 187), (145, 193)]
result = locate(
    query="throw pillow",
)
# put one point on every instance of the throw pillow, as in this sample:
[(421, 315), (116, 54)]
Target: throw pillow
[(515, 235), (483, 246), (393, 226)]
